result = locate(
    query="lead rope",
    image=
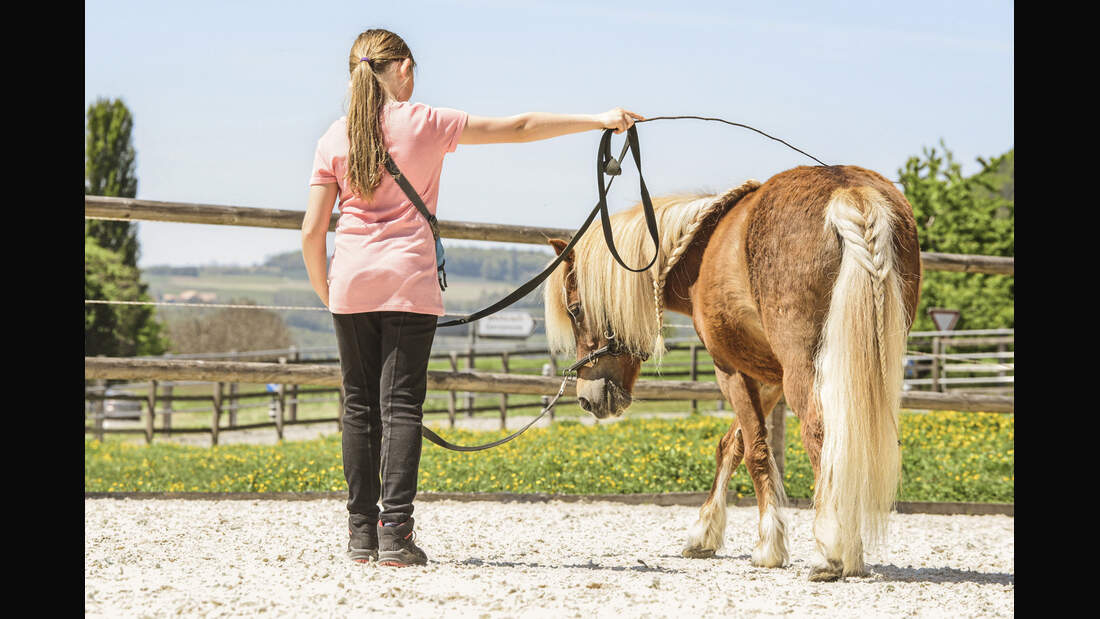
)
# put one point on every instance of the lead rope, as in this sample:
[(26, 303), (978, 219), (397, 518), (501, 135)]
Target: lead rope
[(438, 440), (720, 120)]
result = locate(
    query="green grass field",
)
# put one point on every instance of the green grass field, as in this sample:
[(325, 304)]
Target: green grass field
[(947, 456)]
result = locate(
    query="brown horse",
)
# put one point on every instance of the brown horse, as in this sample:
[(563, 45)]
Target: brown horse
[(804, 286)]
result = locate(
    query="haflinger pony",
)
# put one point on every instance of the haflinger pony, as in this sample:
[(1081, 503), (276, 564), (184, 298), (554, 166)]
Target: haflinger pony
[(804, 286)]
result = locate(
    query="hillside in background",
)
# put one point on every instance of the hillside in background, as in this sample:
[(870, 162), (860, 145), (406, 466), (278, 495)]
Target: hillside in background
[(476, 278), (498, 265)]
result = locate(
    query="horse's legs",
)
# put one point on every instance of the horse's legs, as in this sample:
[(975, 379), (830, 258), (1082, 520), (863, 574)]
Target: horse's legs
[(798, 380), (708, 533), (752, 403)]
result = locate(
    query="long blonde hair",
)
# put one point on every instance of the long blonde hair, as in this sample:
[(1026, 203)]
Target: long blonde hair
[(366, 149)]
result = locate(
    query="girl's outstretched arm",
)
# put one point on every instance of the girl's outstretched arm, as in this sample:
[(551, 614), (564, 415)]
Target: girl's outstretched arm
[(534, 126)]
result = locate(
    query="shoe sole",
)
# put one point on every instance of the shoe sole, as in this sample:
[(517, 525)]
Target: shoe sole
[(400, 559), (362, 556)]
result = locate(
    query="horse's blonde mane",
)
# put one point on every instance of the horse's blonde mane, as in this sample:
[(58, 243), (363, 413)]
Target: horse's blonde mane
[(611, 297)]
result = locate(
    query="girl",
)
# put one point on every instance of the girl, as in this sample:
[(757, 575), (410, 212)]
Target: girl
[(381, 285)]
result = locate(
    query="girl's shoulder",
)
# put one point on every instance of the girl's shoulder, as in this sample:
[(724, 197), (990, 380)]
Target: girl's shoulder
[(340, 125), (417, 108)]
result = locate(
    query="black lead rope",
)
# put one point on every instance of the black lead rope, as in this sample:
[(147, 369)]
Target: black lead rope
[(728, 122), (438, 440), (605, 164)]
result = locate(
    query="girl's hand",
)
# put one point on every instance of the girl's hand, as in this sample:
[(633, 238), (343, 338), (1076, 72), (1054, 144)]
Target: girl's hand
[(619, 119)]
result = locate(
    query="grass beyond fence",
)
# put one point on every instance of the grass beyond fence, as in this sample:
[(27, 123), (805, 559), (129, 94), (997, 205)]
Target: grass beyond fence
[(947, 456)]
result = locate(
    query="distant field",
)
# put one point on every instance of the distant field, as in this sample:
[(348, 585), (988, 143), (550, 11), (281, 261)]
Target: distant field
[(263, 288), (463, 295), (259, 288)]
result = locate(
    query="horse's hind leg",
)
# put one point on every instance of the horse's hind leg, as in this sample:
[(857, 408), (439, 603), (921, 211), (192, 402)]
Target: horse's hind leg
[(707, 535), (829, 564), (752, 402)]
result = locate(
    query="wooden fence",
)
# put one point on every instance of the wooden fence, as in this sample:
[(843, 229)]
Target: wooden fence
[(101, 207), (984, 368), (290, 375)]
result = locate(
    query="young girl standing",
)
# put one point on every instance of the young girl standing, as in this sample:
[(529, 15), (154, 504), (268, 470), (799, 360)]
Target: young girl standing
[(381, 285)]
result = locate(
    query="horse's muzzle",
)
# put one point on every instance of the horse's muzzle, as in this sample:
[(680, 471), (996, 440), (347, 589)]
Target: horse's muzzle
[(602, 397)]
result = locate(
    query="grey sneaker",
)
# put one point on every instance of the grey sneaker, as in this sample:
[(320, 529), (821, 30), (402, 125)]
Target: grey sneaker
[(363, 538), (396, 547)]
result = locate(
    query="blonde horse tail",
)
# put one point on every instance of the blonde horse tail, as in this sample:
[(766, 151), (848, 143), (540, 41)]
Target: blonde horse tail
[(858, 380)]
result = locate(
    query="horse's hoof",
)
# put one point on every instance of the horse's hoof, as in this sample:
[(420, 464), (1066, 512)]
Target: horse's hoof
[(827, 573), (859, 573), (698, 553)]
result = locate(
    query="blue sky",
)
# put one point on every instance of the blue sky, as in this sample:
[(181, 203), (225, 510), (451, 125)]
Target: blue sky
[(229, 98)]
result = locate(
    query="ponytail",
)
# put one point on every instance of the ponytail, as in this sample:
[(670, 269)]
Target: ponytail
[(371, 54)]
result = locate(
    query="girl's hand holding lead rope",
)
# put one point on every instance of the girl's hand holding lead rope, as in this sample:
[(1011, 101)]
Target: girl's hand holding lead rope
[(619, 119)]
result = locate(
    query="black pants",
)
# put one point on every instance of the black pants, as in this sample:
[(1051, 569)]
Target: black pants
[(384, 362)]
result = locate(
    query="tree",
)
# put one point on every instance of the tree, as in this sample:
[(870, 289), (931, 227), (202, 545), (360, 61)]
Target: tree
[(111, 247), (109, 163), (957, 214), (116, 330)]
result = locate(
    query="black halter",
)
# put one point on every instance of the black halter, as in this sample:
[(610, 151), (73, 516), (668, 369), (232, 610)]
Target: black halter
[(612, 348)]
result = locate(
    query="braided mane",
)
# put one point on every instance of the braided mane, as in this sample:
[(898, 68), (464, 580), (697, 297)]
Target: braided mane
[(612, 297)]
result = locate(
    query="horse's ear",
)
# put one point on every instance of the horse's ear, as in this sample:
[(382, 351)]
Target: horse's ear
[(559, 246)]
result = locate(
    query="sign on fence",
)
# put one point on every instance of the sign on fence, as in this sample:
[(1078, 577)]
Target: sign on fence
[(517, 325), (944, 319)]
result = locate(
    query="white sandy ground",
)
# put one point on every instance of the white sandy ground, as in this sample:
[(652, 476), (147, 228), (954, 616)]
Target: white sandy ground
[(153, 558)]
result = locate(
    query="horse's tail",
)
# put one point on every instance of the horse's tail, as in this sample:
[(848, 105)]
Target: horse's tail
[(858, 377)]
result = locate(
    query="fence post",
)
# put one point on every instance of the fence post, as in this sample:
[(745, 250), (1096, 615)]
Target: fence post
[(554, 369), (452, 401), (504, 396), (694, 375), (294, 358), (283, 390), (777, 435), (936, 346), (166, 412), (233, 390), (280, 407), (471, 366), (547, 370), (99, 409), (152, 412), (216, 422)]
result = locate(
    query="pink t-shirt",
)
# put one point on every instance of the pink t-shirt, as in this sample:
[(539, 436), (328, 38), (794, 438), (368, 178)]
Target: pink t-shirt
[(384, 258)]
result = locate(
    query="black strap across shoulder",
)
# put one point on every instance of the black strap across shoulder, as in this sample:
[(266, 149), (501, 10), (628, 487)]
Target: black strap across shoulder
[(414, 197)]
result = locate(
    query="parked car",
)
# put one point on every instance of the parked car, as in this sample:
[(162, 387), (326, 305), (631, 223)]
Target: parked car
[(121, 409)]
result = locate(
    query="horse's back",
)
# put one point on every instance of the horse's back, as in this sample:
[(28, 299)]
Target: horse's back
[(793, 256), (768, 273)]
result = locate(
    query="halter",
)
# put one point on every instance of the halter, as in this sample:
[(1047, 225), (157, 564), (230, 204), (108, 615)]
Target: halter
[(612, 348)]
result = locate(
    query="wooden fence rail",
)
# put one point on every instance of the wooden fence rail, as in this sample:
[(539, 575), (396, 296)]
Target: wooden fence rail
[(484, 382), (103, 207), (219, 372)]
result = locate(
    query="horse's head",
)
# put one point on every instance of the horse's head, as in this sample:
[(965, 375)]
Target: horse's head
[(606, 369)]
